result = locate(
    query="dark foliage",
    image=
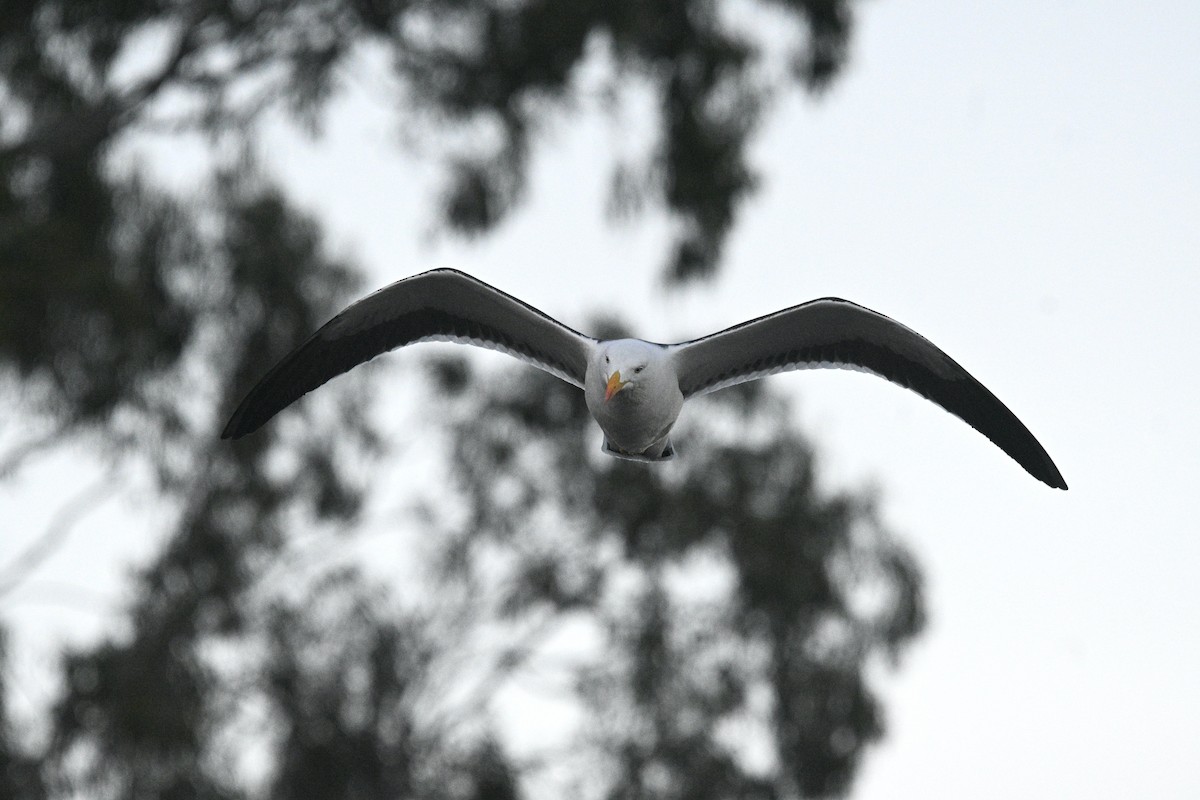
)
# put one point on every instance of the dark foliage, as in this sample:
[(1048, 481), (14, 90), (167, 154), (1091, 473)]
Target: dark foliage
[(132, 320), (732, 607), (140, 712), (342, 677), (491, 71), (814, 589), (20, 771)]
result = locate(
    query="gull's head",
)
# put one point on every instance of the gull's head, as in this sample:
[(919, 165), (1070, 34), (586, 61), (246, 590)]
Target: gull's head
[(627, 364)]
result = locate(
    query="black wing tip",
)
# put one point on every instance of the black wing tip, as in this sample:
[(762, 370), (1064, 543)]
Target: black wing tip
[(1030, 455), (1054, 480), (1037, 463), (243, 422), (236, 429)]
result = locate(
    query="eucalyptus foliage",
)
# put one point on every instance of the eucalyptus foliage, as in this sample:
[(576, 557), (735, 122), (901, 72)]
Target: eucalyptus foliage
[(726, 608)]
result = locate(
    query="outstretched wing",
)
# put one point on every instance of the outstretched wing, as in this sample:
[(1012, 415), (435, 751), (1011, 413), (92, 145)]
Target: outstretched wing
[(440, 305), (837, 333)]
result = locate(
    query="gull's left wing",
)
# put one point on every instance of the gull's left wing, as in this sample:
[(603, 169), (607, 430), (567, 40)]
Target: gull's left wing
[(837, 333), (440, 305)]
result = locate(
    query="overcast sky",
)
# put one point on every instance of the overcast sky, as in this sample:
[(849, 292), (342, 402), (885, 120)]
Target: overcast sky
[(1018, 181)]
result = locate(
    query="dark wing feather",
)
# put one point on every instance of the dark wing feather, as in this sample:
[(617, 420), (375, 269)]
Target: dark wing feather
[(441, 305), (837, 333)]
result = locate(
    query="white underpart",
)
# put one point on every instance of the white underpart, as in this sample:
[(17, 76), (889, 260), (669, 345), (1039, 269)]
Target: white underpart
[(799, 365), (499, 348)]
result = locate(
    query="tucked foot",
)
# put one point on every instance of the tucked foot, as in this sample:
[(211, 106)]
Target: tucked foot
[(655, 453)]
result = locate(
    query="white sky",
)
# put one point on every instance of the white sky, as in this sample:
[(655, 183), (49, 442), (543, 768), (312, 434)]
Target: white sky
[(1020, 182)]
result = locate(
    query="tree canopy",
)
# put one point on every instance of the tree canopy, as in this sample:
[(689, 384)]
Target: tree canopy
[(718, 617), (132, 318)]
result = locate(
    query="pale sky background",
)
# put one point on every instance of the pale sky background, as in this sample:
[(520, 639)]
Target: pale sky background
[(1018, 181)]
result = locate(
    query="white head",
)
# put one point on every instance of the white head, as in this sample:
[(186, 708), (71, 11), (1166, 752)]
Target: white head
[(628, 365)]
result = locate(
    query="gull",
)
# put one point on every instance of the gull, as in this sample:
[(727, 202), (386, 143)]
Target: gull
[(635, 389)]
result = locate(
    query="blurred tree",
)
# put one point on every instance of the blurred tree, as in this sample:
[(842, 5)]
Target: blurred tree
[(136, 318), (348, 675), (736, 606), (719, 617), (77, 78), (20, 771), (139, 714)]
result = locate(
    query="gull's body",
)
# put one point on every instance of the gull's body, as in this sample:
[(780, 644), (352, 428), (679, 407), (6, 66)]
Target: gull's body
[(637, 419), (636, 389)]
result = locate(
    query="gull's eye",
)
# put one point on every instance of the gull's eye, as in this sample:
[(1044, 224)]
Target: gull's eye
[(606, 359), (638, 369)]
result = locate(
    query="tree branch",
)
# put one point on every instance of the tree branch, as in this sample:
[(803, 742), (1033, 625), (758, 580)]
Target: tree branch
[(81, 128), (18, 570), (15, 458)]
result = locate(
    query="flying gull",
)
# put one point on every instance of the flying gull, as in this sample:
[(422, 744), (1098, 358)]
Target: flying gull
[(634, 388)]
